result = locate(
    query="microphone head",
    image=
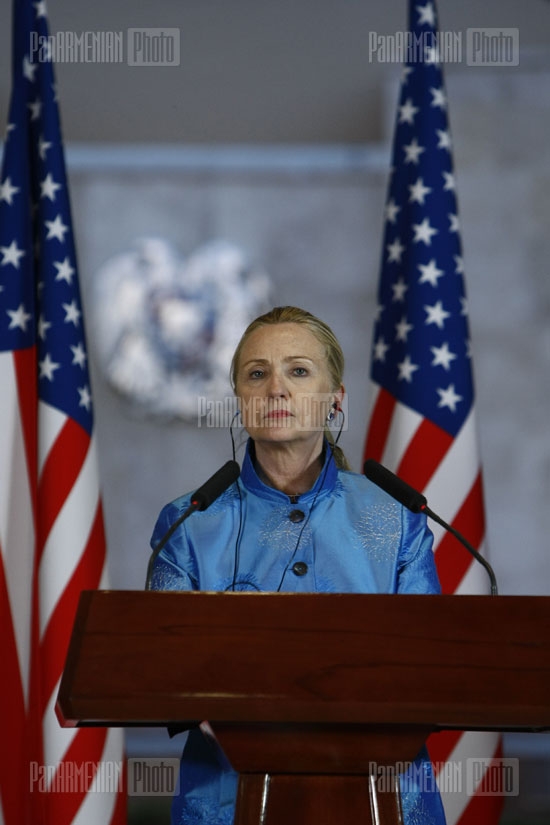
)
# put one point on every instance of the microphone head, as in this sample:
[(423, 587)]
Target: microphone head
[(216, 485), (394, 486)]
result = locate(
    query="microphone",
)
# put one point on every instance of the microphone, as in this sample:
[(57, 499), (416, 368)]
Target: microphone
[(395, 486), (200, 500), (417, 503), (215, 486)]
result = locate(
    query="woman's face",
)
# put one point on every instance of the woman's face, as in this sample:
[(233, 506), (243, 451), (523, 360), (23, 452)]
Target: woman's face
[(284, 385)]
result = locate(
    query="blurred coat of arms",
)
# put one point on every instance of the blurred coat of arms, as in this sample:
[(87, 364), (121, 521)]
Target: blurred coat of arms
[(165, 329)]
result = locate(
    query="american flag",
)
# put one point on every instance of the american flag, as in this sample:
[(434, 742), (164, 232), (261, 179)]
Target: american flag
[(422, 412), (51, 527)]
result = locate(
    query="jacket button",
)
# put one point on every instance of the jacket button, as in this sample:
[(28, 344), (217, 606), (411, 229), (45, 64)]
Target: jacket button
[(299, 568), (296, 516)]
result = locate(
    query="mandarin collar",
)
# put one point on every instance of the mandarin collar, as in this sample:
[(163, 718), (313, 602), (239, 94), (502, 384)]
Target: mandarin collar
[(325, 482)]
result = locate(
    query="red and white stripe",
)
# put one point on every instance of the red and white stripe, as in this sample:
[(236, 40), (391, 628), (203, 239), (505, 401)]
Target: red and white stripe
[(52, 547), (447, 471)]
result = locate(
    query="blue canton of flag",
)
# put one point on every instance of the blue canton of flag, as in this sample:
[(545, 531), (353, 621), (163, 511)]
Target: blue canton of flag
[(39, 294), (421, 336)]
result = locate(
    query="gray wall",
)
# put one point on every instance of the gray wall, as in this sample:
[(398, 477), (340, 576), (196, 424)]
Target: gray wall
[(251, 70)]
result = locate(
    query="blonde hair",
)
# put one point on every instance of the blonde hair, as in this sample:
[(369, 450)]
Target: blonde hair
[(323, 333)]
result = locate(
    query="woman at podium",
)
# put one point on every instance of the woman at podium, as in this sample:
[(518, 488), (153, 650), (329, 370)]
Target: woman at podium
[(297, 520)]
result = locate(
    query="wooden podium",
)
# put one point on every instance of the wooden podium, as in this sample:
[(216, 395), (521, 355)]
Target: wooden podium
[(310, 695)]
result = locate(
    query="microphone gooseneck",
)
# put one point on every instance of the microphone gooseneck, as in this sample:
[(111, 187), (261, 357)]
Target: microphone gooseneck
[(200, 500), (417, 503)]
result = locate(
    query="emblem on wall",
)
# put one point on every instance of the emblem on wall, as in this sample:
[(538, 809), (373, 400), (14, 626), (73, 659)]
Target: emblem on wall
[(165, 328)]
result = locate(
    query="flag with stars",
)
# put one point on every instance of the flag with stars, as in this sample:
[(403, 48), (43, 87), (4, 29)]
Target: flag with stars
[(422, 411), (51, 529)]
